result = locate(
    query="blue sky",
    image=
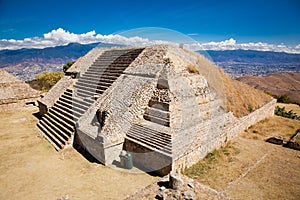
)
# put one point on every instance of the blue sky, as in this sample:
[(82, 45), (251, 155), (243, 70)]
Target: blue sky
[(272, 22)]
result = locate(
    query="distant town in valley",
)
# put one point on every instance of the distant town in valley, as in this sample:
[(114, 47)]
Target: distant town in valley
[(27, 63)]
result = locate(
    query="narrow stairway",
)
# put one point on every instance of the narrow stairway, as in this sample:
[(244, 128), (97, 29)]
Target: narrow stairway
[(152, 139), (58, 125)]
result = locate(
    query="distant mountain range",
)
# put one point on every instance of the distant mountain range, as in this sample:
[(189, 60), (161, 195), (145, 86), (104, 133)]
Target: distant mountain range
[(26, 63), (239, 63)]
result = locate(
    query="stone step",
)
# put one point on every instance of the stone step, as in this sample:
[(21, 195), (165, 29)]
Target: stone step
[(64, 123), (147, 129), (155, 136), (60, 135), (96, 90), (69, 106), (103, 74), (159, 105), (51, 133), (47, 136), (157, 120), (98, 65), (96, 77), (68, 93), (84, 93), (67, 116), (69, 90), (149, 137), (84, 101), (77, 106), (151, 111), (94, 84), (92, 81), (105, 70), (60, 106), (143, 142), (63, 118), (66, 130)]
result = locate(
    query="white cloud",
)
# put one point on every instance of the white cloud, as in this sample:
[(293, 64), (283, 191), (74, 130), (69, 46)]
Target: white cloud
[(232, 44), (62, 37)]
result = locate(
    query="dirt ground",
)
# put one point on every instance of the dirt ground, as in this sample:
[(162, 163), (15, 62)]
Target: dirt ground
[(247, 168), (31, 169)]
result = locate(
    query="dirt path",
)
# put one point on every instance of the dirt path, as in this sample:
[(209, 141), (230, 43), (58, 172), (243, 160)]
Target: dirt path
[(31, 169)]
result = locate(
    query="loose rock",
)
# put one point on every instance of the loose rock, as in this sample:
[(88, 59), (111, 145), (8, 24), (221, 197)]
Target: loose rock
[(189, 195)]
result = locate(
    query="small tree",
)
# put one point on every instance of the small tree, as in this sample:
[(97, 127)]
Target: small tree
[(68, 65), (46, 80), (283, 99)]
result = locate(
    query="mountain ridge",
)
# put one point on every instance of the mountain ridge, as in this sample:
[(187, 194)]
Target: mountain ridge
[(26, 63)]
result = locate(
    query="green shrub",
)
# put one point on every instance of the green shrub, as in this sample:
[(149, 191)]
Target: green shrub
[(283, 113), (250, 108), (67, 65), (283, 99)]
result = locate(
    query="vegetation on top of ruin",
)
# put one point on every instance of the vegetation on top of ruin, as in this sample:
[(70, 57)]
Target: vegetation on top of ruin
[(192, 69), (242, 99), (68, 65)]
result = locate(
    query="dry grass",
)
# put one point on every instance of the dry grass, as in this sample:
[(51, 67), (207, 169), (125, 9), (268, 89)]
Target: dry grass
[(31, 169), (241, 99), (274, 126), (192, 69)]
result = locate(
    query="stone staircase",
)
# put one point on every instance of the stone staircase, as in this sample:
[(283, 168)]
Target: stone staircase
[(150, 138), (58, 125), (158, 112)]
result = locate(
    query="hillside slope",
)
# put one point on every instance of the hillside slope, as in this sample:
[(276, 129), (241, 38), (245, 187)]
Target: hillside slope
[(240, 98), (276, 84)]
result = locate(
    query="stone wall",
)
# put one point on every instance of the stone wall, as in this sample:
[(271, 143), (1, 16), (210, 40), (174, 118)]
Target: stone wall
[(148, 160), (16, 104), (54, 93), (207, 141)]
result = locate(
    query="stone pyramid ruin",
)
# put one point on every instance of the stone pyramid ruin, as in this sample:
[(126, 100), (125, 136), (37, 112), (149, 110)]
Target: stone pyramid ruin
[(163, 104), (14, 92)]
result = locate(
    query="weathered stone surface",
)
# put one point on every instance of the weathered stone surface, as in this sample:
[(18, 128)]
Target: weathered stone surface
[(189, 195), (161, 195), (14, 92), (175, 181), (294, 143), (191, 185), (187, 116)]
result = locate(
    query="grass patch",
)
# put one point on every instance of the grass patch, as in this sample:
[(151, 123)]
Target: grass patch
[(192, 69), (212, 159), (272, 127)]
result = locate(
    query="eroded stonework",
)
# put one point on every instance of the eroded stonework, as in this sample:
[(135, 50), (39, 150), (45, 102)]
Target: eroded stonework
[(146, 101)]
